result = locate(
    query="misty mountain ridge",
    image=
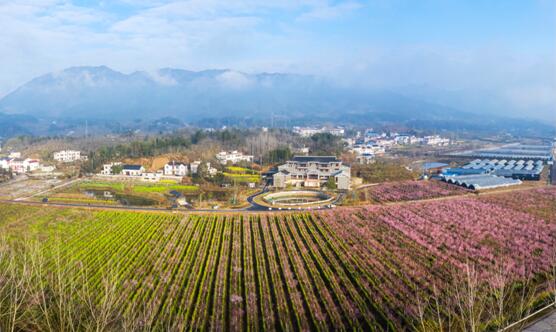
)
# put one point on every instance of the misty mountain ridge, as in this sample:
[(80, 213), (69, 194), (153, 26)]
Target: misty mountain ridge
[(197, 96), (99, 92)]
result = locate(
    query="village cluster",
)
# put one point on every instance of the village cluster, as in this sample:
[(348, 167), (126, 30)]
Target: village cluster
[(173, 170), (14, 163), (370, 144)]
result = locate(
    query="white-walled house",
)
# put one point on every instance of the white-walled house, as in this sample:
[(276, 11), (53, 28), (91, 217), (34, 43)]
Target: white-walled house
[(132, 170), (151, 177), (310, 131), (365, 158), (107, 168), (175, 168), (211, 170), (194, 166), (68, 156), (31, 165), (47, 168), (17, 165), (20, 165), (436, 140), (233, 156), (5, 163)]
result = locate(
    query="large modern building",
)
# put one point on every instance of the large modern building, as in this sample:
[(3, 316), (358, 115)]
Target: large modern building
[(312, 172)]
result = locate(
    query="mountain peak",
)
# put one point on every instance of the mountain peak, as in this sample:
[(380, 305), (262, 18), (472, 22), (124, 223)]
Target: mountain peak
[(103, 93)]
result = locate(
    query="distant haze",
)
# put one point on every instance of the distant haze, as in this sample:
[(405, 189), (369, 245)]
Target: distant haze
[(103, 93), (495, 57)]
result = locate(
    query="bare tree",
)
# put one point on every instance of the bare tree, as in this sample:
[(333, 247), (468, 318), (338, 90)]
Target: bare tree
[(469, 299)]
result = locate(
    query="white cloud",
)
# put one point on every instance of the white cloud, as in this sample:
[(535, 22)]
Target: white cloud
[(253, 35), (235, 80), (162, 79)]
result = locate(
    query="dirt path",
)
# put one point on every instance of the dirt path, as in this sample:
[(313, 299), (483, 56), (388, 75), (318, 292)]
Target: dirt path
[(62, 185)]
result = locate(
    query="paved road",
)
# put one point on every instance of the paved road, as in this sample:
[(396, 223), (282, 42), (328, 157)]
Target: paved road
[(254, 208), (546, 324), (553, 175), (119, 207)]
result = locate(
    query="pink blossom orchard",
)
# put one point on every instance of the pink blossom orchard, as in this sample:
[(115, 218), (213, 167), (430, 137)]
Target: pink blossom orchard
[(418, 246), (413, 190)]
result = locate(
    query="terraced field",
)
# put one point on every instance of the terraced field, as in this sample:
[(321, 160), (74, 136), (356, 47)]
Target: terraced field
[(372, 268)]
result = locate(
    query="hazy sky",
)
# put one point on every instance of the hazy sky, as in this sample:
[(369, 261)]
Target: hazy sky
[(501, 54)]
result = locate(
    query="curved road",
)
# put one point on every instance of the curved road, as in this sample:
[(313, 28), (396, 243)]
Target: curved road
[(253, 208)]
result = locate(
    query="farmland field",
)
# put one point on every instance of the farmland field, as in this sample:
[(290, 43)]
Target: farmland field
[(419, 266), (138, 188), (242, 175)]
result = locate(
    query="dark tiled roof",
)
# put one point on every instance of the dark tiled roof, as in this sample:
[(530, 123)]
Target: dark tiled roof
[(318, 159), (132, 167), (176, 163)]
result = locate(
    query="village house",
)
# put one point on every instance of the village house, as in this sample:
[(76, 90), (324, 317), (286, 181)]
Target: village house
[(68, 156), (5, 163), (313, 172), (211, 170), (369, 148), (436, 140), (310, 131), (175, 168), (132, 170), (151, 177), (107, 169), (194, 166), (365, 158), (19, 165), (233, 157)]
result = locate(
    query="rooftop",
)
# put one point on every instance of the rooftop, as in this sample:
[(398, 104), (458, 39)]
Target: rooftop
[(132, 167), (427, 166), (175, 163), (318, 159)]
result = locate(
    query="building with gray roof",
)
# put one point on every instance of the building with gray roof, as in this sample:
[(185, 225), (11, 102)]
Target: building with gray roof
[(312, 172)]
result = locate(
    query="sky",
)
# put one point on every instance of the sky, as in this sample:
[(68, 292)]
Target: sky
[(475, 55)]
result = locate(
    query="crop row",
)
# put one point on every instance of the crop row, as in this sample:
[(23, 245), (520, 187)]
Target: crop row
[(272, 272), (365, 268)]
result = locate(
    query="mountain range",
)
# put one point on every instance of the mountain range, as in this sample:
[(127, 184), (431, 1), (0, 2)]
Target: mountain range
[(211, 96)]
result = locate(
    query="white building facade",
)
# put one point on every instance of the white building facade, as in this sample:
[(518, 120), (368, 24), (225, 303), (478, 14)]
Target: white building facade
[(233, 157), (107, 168), (68, 156), (313, 172), (132, 170), (175, 168)]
